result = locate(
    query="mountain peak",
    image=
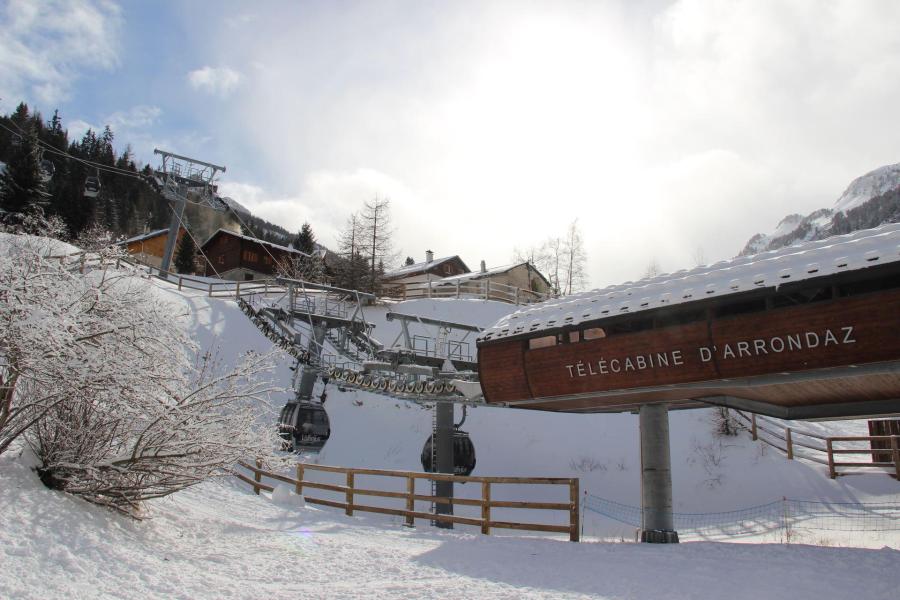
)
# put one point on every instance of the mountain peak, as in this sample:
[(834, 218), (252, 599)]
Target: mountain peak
[(868, 201), (874, 183)]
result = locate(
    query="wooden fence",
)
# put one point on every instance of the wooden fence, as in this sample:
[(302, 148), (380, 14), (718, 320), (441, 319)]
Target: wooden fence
[(409, 497), (826, 450), (481, 288)]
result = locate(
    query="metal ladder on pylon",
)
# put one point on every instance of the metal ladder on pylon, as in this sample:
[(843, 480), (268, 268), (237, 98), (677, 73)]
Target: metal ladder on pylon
[(434, 482)]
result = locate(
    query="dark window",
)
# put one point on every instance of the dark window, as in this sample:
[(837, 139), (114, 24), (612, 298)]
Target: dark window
[(248, 276)]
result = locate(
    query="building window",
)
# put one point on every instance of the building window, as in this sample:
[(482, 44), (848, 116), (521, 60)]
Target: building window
[(221, 259), (594, 333), (248, 276), (250, 256), (267, 260), (542, 342)]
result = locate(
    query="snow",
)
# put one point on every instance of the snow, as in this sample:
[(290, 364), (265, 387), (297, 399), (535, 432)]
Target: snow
[(417, 267), (862, 189), (807, 260), (219, 540), (145, 236), (235, 206)]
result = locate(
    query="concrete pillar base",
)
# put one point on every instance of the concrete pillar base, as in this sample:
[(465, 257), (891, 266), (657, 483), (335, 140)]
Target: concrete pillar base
[(659, 536)]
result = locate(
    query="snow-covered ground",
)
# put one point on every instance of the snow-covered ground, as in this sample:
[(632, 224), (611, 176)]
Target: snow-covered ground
[(221, 541)]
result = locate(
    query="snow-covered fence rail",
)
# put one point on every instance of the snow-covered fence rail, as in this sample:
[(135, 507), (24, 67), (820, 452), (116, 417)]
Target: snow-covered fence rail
[(213, 287), (409, 496), (827, 450), (485, 289)]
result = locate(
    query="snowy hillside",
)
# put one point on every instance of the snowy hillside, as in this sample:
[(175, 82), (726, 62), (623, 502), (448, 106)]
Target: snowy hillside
[(869, 201), (863, 189)]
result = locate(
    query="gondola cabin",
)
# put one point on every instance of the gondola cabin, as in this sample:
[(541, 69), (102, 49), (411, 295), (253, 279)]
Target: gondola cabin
[(809, 331)]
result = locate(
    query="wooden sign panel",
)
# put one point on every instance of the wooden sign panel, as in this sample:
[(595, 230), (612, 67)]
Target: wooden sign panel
[(842, 332)]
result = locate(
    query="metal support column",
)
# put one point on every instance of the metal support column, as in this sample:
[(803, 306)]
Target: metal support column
[(656, 476), (443, 444), (171, 240), (310, 372)]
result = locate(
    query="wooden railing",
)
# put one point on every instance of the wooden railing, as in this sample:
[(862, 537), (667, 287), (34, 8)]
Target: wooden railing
[(826, 450), (409, 496), (221, 288), (485, 289)]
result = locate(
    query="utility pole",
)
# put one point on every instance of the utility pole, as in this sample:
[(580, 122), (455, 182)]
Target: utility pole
[(183, 176)]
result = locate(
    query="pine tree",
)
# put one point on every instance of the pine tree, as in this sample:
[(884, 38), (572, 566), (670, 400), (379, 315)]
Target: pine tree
[(409, 261), (21, 185), (185, 254), (306, 240)]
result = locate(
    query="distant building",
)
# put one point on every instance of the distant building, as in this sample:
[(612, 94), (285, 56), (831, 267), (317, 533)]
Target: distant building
[(241, 258), (522, 275), (150, 247), (432, 269)]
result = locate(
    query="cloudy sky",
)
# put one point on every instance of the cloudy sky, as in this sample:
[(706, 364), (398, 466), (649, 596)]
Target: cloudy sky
[(667, 128)]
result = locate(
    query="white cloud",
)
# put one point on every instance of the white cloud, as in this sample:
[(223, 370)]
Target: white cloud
[(219, 81), (696, 124), (46, 44), (136, 117), (326, 199)]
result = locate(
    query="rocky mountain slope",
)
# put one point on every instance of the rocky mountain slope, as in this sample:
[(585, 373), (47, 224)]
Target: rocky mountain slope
[(868, 201)]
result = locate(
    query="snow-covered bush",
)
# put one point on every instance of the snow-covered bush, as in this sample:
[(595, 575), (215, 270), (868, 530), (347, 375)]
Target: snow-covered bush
[(98, 376)]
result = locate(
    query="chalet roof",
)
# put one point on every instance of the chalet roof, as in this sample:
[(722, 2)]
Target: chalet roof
[(490, 272), (147, 236), (255, 240), (414, 269), (838, 254)]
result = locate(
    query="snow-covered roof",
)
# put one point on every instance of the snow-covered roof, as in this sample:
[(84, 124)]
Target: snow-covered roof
[(489, 272), (420, 267), (146, 236), (256, 240), (857, 250)]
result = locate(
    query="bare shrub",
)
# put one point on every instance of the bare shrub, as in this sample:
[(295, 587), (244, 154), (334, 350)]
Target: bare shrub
[(586, 464), (725, 423), (98, 376)]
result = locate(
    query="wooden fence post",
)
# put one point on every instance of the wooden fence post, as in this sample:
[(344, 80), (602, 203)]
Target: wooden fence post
[(457, 290), (82, 264), (487, 288), (179, 282), (830, 450), (790, 443), (517, 296), (895, 450), (429, 288), (574, 510), (237, 290), (299, 487), (257, 476), (349, 494), (410, 501), (486, 507), (210, 288), (753, 426)]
